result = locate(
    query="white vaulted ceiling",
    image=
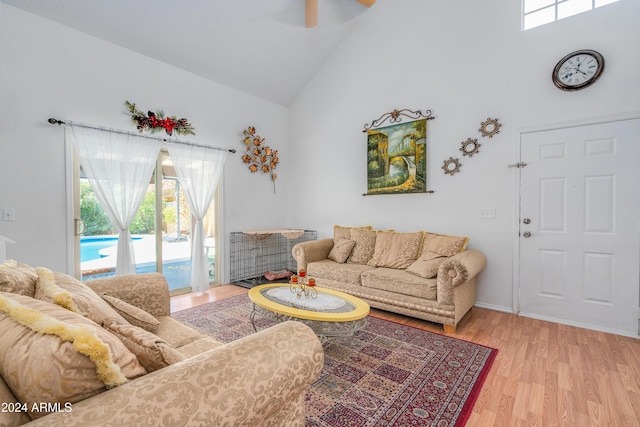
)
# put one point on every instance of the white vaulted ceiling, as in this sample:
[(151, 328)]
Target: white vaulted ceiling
[(257, 46)]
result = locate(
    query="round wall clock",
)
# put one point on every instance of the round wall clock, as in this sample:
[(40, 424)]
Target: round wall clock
[(578, 70)]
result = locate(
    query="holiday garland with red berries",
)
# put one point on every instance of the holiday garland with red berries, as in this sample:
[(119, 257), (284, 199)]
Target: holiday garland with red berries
[(156, 122)]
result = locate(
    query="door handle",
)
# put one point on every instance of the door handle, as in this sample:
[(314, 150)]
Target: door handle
[(81, 226), (526, 234)]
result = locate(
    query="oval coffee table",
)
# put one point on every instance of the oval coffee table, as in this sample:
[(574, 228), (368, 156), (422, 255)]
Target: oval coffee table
[(333, 314)]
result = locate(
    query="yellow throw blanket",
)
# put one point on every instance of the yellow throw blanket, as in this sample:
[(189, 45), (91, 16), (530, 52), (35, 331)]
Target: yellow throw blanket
[(60, 296), (83, 338)]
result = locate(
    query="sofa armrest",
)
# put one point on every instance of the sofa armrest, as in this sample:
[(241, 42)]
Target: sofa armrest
[(260, 379), (148, 291), (457, 270), (313, 250)]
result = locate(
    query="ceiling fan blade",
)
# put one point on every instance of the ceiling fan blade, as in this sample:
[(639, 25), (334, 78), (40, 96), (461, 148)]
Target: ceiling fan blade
[(311, 14), (311, 11)]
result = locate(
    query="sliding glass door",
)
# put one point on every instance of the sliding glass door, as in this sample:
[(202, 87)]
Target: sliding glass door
[(161, 231)]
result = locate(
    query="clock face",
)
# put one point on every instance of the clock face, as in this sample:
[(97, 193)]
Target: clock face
[(578, 70)]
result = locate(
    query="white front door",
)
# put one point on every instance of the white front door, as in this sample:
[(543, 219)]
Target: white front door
[(580, 226)]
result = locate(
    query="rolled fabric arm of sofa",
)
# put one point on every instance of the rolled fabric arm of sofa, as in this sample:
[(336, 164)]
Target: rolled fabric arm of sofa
[(148, 291), (260, 379), (313, 250), (457, 270)]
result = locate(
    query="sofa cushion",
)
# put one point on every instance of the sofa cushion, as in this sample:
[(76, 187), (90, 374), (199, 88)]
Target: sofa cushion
[(341, 250), (327, 269), (427, 265), (12, 413), (17, 278), (148, 291), (50, 354), (46, 288), (134, 315), (400, 282), (395, 250), (340, 232), (175, 333), (364, 247), (88, 303), (152, 351), (443, 245)]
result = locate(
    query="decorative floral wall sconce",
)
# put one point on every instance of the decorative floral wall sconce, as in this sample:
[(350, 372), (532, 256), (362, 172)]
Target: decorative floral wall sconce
[(259, 156)]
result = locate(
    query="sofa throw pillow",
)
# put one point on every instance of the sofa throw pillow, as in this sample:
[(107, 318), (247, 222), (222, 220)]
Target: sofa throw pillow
[(364, 247), (340, 232), (134, 315), (152, 351), (395, 250), (444, 245), (47, 286), (17, 278), (50, 354), (427, 265), (140, 290), (341, 250), (87, 302)]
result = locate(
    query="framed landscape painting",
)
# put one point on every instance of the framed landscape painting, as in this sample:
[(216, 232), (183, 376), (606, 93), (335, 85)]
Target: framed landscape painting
[(397, 158)]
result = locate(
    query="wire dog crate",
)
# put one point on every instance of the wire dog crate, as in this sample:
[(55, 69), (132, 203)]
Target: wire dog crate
[(252, 255)]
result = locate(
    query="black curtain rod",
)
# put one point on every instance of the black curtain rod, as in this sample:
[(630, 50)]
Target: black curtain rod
[(54, 121)]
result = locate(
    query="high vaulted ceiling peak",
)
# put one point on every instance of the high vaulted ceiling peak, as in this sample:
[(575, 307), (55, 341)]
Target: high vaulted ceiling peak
[(260, 47)]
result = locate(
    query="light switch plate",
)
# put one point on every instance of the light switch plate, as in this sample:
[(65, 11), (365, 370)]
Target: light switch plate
[(8, 214), (487, 213)]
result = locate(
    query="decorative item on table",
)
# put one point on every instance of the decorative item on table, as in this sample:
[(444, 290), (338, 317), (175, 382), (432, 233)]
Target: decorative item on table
[(156, 121), (301, 284), (259, 156)]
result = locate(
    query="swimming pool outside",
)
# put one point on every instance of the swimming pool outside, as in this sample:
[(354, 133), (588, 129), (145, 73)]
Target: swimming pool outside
[(98, 258), (90, 246)]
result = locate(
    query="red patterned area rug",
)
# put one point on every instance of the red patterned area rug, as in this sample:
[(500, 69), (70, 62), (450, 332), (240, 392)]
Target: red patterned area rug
[(387, 375)]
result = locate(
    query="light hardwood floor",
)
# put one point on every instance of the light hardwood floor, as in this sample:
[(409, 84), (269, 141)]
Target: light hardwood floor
[(545, 374)]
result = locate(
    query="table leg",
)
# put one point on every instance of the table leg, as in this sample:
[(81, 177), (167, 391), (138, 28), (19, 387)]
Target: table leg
[(253, 316)]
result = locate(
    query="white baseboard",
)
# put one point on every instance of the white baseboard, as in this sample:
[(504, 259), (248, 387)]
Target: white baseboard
[(494, 307), (559, 321), (581, 325)]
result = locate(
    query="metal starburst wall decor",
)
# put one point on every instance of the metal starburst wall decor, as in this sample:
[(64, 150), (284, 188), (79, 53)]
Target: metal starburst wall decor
[(259, 156)]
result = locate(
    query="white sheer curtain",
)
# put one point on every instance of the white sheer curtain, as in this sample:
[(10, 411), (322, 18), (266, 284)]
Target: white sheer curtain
[(119, 167), (198, 170)]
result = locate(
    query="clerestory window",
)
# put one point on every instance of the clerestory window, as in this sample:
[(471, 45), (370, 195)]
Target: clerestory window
[(540, 12)]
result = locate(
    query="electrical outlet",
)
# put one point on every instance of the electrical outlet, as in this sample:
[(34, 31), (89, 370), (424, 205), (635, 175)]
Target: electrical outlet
[(487, 213), (8, 214)]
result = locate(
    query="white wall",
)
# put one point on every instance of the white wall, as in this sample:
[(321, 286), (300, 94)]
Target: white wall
[(466, 61), (48, 70)]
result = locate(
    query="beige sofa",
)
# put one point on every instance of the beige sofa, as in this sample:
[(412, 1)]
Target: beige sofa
[(110, 354), (424, 275)]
